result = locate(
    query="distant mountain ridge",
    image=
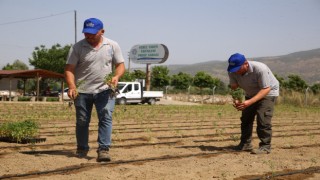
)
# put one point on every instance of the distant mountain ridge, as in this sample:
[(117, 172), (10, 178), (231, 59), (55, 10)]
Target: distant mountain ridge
[(306, 64)]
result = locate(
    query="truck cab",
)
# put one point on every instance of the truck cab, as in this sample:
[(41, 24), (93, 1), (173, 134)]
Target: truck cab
[(133, 93)]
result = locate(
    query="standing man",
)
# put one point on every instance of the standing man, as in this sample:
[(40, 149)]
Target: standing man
[(89, 62), (261, 91)]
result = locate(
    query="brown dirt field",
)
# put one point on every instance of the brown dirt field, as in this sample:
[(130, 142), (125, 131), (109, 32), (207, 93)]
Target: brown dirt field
[(163, 141)]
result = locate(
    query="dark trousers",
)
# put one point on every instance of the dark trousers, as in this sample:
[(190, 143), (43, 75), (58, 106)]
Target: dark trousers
[(263, 109)]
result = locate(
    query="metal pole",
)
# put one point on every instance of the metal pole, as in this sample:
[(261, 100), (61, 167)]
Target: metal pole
[(213, 89), (62, 91), (129, 62), (75, 26), (306, 96), (148, 78), (10, 88), (38, 86), (167, 92)]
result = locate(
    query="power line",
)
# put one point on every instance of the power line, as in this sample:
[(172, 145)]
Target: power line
[(33, 19)]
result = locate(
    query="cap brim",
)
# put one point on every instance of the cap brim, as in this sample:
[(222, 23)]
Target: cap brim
[(90, 31), (233, 68)]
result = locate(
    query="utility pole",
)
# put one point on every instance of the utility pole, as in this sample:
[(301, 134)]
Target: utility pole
[(75, 26), (129, 62)]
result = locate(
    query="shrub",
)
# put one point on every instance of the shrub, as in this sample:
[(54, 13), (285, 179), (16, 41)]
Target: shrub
[(24, 98), (52, 99), (19, 130)]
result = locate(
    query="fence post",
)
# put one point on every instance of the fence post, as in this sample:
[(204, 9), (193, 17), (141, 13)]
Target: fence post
[(213, 89), (306, 96)]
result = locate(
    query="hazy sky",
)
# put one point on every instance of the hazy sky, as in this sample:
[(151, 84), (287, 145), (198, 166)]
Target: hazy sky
[(193, 30)]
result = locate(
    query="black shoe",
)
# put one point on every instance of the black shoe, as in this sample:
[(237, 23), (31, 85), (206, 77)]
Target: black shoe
[(261, 150), (243, 147), (103, 155), (81, 153)]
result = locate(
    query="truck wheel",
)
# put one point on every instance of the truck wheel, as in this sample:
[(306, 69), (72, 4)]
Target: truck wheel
[(151, 101), (122, 101)]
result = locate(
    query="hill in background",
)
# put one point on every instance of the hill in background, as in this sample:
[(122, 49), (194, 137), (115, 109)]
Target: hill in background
[(306, 64)]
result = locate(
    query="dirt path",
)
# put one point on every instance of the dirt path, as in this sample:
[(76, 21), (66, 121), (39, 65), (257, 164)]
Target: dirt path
[(164, 142)]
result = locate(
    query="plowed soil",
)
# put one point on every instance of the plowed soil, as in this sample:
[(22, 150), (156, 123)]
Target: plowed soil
[(166, 141)]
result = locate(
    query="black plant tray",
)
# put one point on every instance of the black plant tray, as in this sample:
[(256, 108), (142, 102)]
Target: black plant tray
[(23, 140)]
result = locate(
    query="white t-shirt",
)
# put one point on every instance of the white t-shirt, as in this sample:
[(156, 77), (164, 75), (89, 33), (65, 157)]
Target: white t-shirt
[(93, 65), (258, 77)]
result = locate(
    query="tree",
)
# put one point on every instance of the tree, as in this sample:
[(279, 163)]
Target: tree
[(203, 80), (295, 83), (221, 88), (315, 88), (53, 59), (17, 65), (138, 74), (181, 80), (160, 77), (127, 76), (280, 79)]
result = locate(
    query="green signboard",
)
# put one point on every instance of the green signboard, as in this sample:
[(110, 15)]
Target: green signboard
[(149, 53)]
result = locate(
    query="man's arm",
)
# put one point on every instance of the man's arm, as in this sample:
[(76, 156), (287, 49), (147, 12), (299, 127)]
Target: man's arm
[(261, 94), (69, 76), (119, 71)]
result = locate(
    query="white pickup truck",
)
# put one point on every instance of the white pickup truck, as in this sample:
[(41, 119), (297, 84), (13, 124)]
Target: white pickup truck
[(133, 93), (5, 94)]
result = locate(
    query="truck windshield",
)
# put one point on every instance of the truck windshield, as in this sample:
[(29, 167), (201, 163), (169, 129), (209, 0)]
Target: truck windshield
[(120, 86)]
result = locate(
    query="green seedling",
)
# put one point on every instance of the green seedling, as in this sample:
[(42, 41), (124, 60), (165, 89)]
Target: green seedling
[(112, 86), (19, 130), (237, 95)]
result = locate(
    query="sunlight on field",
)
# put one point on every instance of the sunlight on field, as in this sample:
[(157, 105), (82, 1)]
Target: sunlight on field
[(163, 140)]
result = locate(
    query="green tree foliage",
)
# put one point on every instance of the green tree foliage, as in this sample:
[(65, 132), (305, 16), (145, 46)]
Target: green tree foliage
[(315, 88), (160, 77), (53, 59), (138, 74), (17, 65), (280, 79), (181, 80), (221, 87), (127, 77), (295, 83), (203, 80)]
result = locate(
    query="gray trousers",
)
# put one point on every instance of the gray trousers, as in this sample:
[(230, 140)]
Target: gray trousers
[(263, 109)]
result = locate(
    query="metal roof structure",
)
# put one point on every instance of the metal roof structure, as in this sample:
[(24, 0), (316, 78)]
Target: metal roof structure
[(30, 74)]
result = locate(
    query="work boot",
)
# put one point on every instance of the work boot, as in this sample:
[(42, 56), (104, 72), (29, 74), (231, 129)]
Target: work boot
[(261, 150), (80, 153), (103, 155), (243, 147)]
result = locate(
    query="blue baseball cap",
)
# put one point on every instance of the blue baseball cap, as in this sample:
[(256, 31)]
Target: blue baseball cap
[(235, 62), (92, 26)]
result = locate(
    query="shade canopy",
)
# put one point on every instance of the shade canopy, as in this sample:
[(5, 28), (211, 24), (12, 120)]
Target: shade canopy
[(30, 74)]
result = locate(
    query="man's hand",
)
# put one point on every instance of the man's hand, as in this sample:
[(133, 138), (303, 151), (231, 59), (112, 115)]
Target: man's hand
[(72, 93), (240, 106)]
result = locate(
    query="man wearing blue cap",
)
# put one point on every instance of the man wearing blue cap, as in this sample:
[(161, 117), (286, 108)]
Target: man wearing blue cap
[(89, 62), (261, 91)]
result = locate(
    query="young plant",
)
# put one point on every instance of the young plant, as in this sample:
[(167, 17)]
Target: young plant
[(19, 130), (78, 86), (108, 80), (237, 95), (112, 86)]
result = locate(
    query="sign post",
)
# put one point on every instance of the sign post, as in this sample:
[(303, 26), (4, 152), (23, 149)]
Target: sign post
[(149, 54)]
